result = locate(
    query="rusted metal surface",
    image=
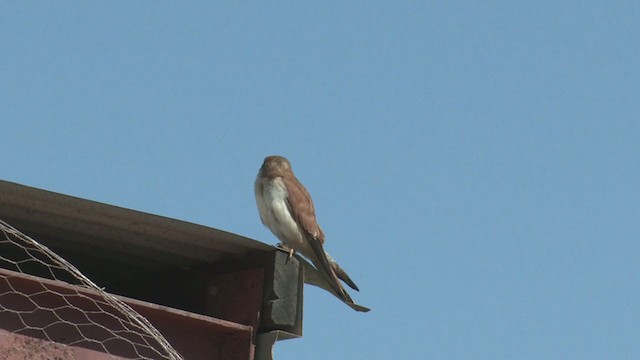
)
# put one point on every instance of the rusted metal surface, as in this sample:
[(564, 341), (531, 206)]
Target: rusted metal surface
[(236, 296), (20, 347), (37, 303)]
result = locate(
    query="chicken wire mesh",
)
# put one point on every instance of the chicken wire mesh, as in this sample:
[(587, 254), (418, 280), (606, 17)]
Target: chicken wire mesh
[(35, 303)]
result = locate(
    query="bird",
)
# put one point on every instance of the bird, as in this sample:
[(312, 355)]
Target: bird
[(286, 208)]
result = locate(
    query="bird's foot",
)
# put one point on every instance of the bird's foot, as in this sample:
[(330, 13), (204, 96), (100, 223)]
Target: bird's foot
[(286, 248)]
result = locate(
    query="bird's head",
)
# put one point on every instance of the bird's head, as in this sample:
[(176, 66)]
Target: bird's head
[(275, 166)]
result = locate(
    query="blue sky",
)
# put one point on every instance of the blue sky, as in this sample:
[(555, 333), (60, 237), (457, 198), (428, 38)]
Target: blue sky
[(475, 165)]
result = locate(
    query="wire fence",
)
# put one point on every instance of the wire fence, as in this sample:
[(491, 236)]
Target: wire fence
[(37, 302)]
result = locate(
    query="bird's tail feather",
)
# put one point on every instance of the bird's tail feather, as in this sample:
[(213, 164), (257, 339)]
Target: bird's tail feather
[(317, 278), (322, 263), (340, 273)]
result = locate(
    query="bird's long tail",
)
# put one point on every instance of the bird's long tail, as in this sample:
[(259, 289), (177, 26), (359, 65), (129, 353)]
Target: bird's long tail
[(320, 259), (340, 273), (317, 278)]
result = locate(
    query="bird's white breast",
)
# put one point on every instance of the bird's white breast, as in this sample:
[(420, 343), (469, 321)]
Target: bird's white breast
[(271, 198)]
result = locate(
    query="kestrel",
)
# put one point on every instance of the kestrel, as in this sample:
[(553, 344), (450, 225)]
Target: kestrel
[(286, 208)]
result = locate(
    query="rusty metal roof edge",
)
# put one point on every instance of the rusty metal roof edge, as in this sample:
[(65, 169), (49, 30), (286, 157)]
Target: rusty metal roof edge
[(118, 217)]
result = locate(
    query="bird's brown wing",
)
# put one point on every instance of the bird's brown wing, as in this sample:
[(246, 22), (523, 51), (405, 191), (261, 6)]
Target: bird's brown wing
[(302, 210), (301, 207)]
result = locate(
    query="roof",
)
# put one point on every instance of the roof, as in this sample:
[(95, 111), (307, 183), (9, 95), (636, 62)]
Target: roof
[(128, 243)]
